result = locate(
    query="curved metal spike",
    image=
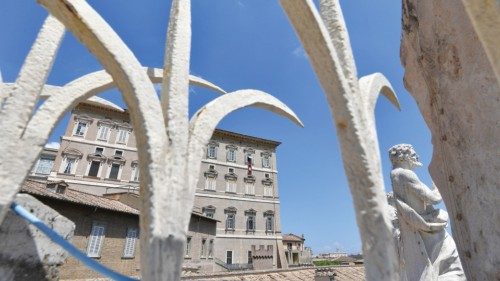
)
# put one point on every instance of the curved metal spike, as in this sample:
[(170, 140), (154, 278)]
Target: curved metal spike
[(372, 85), (61, 99), (204, 122)]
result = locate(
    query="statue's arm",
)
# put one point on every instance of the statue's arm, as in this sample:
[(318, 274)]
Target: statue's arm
[(416, 220), (421, 190)]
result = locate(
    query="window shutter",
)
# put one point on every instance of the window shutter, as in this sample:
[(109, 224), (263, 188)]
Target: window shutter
[(129, 249), (95, 240)]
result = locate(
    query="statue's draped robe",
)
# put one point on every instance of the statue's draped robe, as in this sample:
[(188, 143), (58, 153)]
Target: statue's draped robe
[(424, 255)]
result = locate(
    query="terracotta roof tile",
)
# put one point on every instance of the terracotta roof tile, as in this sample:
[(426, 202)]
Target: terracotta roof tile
[(40, 189)]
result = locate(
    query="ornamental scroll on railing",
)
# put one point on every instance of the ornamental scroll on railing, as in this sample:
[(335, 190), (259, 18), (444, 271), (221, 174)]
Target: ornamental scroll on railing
[(170, 146)]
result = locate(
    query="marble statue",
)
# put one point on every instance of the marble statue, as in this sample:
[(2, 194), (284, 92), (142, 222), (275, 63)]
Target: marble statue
[(427, 251)]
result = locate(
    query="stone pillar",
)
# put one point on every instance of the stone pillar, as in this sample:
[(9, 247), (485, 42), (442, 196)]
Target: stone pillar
[(449, 75), (25, 252)]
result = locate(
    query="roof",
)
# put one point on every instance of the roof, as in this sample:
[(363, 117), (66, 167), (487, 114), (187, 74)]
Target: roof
[(73, 196), (343, 273), (246, 137), (293, 237)]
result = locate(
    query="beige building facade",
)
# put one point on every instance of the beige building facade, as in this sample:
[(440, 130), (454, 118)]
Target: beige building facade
[(238, 184)]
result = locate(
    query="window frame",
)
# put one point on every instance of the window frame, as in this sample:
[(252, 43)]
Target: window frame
[(93, 253), (119, 132), (75, 129), (130, 240), (229, 257), (99, 132)]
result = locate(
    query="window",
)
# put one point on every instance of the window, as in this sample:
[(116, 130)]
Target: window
[(249, 159), (209, 211), (229, 257), (99, 150), (44, 165), (188, 246), (212, 152), (231, 170), (118, 152), (289, 246), (231, 155), (268, 191), (249, 188), (115, 170), (94, 168), (129, 249), (210, 183), (70, 162), (211, 167), (230, 221), (203, 247), (122, 136), (96, 239), (80, 129), (266, 161), (266, 175), (231, 186), (103, 133), (269, 223), (251, 223), (250, 258), (135, 173), (211, 248)]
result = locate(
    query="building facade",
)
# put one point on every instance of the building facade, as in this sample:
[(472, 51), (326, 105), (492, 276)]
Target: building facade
[(238, 184), (296, 253)]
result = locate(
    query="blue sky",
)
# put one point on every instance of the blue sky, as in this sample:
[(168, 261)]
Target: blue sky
[(240, 44)]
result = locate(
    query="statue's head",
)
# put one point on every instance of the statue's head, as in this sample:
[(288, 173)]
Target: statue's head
[(404, 155)]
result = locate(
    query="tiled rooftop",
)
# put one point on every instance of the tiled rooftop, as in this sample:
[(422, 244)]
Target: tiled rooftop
[(344, 273), (69, 195), (292, 237)]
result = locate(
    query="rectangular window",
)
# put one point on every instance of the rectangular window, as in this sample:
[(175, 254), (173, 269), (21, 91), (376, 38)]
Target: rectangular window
[(94, 168), (211, 248), (135, 173), (122, 136), (249, 188), (70, 162), (44, 165), (231, 170), (80, 129), (99, 150), (229, 257), (103, 133), (130, 240), (115, 169), (119, 152), (212, 152), (203, 247), (251, 223), (230, 221), (210, 183), (188, 246), (289, 246), (231, 186), (250, 258), (96, 239), (266, 161), (231, 155), (269, 223), (268, 191)]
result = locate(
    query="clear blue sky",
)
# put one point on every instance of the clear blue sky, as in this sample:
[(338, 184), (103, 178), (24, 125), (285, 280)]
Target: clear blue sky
[(241, 44)]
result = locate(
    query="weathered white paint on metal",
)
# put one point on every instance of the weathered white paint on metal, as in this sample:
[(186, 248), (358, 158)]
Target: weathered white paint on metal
[(17, 106), (485, 17), (145, 111), (329, 51)]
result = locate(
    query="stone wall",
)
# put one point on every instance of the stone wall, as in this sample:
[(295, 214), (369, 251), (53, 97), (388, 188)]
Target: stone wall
[(450, 77), (25, 252)]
